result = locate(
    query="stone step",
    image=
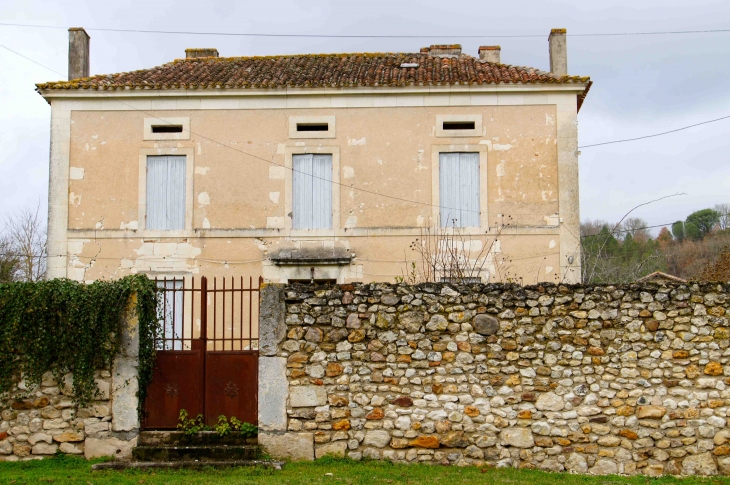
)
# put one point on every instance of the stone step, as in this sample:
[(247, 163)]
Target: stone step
[(178, 438), (188, 464), (196, 453)]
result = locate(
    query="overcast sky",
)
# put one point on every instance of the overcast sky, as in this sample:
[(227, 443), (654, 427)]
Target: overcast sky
[(642, 84)]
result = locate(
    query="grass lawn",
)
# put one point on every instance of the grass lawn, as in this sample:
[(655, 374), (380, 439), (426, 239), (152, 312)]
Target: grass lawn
[(66, 470)]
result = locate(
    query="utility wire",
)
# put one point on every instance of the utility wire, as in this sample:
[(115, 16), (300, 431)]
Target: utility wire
[(345, 185), (356, 36), (292, 169), (656, 134)]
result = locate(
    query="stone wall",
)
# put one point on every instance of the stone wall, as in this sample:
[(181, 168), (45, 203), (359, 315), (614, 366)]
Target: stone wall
[(39, 421), (616, 379)]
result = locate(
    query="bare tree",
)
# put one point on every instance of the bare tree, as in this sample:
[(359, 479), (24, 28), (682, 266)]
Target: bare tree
[(25, 236), (447, 254), (636, 226), (591, 264), (724, 211)]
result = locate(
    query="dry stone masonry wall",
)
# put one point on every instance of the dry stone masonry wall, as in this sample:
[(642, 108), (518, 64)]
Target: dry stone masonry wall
[(39, 421), (615, 379), (44, 421)]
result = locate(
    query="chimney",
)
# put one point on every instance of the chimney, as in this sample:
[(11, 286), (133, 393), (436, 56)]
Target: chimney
[(78, 53), (490, 53), (195, 53), (558, 52), (442, 50)]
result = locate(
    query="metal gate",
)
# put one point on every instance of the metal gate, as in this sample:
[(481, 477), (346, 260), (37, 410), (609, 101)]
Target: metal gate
[(207, 354)]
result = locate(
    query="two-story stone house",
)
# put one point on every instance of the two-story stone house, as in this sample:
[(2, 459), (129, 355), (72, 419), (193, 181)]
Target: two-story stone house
[(324, 166)]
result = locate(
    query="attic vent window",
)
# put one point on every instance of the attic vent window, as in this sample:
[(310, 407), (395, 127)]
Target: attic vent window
[(313, 127), (459, 125), (409, 64), (167, 128)]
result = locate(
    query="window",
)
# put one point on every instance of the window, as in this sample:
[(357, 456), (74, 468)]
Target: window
[(167, 129), (312, 191), (458, 125), (312, 127), (170, 307), (459, 189), (165, 193)]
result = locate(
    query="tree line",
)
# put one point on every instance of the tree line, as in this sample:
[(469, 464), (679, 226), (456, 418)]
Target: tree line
[(694, 249)]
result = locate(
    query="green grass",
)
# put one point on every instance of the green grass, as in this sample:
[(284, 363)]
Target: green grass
[(68, 470)]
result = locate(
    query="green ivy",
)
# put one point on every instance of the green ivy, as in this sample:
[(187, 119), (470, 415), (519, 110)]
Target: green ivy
[(64, 326)]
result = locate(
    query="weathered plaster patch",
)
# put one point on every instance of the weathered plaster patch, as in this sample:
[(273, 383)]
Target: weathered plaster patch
[(206, 223), (351, 222), (348, 172), (277, 173), (552, 220), (74, 199), (552, 244), (549, 120), (486, 142), (203, 198), (501, 148), (274, 197), (275, 222), (202, 170), (548, 269), (76, 173), (127, 263), (354, 142), (129, 225), (500, 169), (419, 221)]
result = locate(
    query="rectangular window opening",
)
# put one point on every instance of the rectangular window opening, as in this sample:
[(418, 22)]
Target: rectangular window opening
[(459, 125), (313, 126), (167, 128), (459, 189), (312, 191), (165, 192)]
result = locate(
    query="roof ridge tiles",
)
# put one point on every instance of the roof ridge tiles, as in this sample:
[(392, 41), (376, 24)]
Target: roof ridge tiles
[(359, 69)]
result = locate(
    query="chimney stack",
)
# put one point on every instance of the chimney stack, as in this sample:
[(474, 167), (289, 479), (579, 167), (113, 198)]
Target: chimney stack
[(195, 53), (78, 53), (490, 53), (442, 50), (558, 52)]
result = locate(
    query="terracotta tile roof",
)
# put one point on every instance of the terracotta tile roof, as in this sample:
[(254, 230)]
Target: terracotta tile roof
[(317, 71)]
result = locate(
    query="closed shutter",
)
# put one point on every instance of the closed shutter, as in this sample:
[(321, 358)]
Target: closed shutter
[(469, 189), (459, 189), (312, 191), (166, 193)]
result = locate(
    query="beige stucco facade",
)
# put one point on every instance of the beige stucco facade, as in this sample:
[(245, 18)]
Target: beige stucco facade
[(385, 145)]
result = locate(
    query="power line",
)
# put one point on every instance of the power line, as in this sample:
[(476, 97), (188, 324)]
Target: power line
[(292, 169), (630, 230), (657, 134), (356, 36), (352, 187)]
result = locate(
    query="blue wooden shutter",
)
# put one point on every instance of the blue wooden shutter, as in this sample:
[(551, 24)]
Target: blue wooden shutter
[(165, 192), (459, 189), (312, 191), (469, 189)]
